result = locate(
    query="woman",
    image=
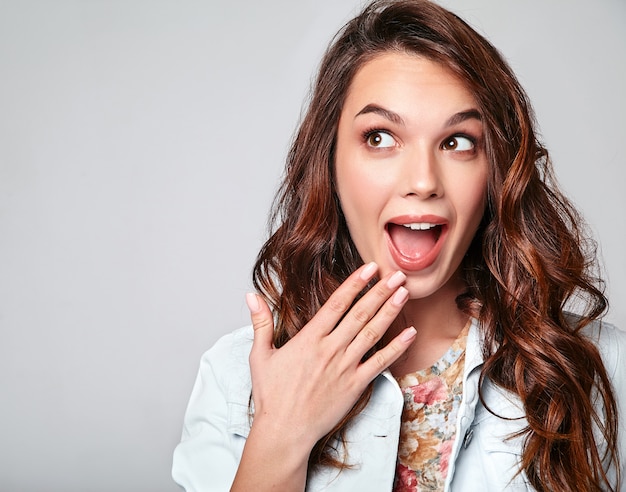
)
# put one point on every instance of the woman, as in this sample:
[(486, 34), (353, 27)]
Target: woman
[(412, 332)]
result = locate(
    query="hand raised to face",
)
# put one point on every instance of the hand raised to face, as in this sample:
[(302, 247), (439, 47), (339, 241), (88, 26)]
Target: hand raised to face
[(308, 385)]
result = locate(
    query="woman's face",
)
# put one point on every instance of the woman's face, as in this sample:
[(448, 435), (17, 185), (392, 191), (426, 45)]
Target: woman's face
[(411, 170)]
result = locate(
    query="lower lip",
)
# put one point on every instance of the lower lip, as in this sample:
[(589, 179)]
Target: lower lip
[(416, 264)]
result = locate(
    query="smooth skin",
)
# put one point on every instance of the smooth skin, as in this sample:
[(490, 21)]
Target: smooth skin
[(413, 158)]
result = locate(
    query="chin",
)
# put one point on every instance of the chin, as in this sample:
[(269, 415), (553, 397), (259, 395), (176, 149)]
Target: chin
[(433, 285)]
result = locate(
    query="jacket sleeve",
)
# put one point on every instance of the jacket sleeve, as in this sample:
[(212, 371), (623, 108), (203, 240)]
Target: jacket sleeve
[(616, 366), (216, 422), (611, 343)]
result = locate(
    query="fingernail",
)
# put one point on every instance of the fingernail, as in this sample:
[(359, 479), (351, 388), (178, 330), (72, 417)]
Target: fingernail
[(253, 302), (400, 296), (396, 280), (368, 271), (408, 334)]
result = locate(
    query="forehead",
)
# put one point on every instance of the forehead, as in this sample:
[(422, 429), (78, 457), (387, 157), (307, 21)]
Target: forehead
[(394, 76)]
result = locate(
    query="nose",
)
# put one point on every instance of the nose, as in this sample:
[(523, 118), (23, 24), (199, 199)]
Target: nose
[(421, 176)]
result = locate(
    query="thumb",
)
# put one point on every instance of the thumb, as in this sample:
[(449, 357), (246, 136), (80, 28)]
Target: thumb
[(262, 322)]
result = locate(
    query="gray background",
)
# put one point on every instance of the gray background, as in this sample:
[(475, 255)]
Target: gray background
[(140, 146)]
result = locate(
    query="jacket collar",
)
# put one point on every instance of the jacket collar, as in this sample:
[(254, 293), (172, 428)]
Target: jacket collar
[(473, 353)]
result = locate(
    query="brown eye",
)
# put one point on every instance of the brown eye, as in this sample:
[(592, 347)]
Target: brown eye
[(379, 139), (458, 143), (450, 144), (375, 139)]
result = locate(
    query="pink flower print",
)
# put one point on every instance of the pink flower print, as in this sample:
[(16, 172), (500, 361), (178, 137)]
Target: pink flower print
[(430, 391), (406, 479), (445, 450)]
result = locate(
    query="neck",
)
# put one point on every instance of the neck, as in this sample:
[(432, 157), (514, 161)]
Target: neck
[(438, 322)]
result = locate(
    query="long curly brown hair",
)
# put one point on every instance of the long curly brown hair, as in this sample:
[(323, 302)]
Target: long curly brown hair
[(528, 261)]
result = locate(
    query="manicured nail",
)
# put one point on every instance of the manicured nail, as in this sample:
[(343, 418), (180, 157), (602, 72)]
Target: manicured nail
[(408, 334), (396, 280), (368, 271), (400, 296), (253, 302)]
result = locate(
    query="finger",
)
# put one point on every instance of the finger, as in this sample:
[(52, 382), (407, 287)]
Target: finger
[(373, 331), (340, 301), (368, 306), (386, 356), (262, 322)]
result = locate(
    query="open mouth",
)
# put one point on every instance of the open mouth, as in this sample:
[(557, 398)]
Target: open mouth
[(415, 245)]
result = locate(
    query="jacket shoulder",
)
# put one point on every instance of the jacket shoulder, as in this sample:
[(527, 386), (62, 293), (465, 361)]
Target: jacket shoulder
[(228, 361), (611, 342), (231, 350)]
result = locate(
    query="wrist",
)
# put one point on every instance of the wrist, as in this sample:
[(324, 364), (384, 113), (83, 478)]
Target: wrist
[(293, 439), (272, 460)]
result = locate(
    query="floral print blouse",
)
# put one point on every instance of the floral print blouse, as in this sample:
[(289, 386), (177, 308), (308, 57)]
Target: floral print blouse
[(432, 398)]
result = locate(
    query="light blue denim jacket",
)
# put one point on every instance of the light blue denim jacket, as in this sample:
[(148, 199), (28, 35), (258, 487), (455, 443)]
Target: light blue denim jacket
[(484, 457)]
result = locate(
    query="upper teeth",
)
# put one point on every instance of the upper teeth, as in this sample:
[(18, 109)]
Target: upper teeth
[(420, 226)]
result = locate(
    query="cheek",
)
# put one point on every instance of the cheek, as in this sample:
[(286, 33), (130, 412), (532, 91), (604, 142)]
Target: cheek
[(354, 185), (362, 198), (351, 188), (467, 192), (474, 198)]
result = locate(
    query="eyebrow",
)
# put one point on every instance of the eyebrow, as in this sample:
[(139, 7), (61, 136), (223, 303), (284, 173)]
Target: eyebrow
[(470, 114), (385, 113)]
